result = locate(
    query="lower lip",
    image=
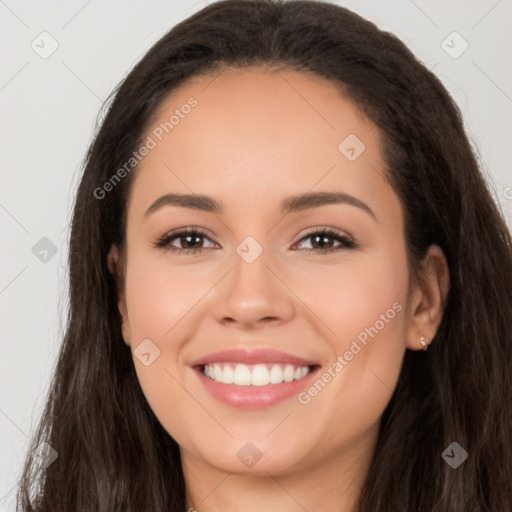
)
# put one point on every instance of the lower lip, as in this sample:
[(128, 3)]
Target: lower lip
[(254, 397)]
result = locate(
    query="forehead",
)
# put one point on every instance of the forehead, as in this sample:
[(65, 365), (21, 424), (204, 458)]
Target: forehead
[(252, 133), (260, 105)]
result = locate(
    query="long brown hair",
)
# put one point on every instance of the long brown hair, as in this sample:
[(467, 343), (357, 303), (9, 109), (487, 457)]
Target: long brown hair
[(113, 454)]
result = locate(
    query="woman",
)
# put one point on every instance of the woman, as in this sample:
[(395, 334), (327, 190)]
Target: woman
[(213, 360)]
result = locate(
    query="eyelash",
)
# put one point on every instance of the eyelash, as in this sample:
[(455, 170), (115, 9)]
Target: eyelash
[(164, 241)]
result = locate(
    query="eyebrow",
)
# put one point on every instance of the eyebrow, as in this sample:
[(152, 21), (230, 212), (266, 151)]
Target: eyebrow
[(289, 205)]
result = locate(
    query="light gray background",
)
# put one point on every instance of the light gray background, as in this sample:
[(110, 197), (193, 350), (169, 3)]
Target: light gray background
[(49, 108)]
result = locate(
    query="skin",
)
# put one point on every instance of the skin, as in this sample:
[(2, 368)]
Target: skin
[(256, 138)]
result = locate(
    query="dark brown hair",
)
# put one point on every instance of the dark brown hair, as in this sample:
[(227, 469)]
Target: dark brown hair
[(114, 455)]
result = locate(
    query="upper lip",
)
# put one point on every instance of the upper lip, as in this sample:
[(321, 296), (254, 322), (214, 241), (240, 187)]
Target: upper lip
[(255, 356)]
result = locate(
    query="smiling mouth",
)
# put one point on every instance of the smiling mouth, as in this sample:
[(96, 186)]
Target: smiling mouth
[(254, 375)]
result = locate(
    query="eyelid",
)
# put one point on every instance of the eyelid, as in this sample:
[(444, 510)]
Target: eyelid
[(187, 229), (321, 229)]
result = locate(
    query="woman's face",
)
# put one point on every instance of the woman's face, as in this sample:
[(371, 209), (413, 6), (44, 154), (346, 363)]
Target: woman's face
[(313, 326)]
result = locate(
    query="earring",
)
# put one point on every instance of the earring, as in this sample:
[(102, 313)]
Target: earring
[(423, 344)]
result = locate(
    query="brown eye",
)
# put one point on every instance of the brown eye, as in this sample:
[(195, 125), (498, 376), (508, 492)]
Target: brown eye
[(190, 240), (322, 242)]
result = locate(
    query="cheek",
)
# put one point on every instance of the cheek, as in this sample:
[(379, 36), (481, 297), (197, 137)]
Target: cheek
[(363, 309), (157, 304), (160, 302), (159, 295), (351, 298)]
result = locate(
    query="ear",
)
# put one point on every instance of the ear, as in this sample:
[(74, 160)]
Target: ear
[(428, 298), (116, 267)]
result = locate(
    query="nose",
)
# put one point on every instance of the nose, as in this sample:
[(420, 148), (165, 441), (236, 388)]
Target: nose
[(252, 295)]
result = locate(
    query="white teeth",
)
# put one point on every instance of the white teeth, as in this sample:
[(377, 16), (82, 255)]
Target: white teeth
[(288, 373), (276, 375), (228, 375), (257, 375), (242, 375), (217, 372)]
